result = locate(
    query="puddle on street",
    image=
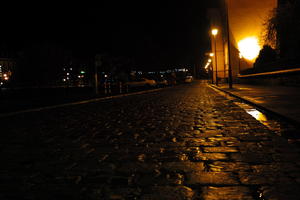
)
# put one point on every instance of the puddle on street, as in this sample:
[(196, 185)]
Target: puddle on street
[(273, 123), (276, 125), (258, 115)]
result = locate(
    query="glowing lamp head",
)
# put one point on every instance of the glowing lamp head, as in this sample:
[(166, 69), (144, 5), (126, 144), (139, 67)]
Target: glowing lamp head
[(209, 60), (249, 48), (214, 32), (211, 54)]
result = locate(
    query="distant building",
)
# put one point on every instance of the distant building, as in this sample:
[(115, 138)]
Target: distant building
[(7, 66), (246, 21)]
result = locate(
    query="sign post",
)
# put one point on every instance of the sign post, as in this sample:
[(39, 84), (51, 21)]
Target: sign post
[(98, 63)]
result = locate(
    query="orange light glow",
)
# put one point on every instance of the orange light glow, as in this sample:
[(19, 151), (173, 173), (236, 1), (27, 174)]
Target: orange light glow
[(214, 31), (249, 48)]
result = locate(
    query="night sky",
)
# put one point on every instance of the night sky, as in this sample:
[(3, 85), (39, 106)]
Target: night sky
[(156, 32)]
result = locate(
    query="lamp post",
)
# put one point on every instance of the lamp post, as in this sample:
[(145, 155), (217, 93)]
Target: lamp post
[(228, 47), (214, 32), (212, 69), (209, 69)]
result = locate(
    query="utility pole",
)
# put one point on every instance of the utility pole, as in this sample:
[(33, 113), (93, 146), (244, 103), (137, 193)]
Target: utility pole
[(228, 39)]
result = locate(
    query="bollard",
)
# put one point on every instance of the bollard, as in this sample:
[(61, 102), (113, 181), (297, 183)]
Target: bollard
[(109, 88), (120, 87), (105, 88)]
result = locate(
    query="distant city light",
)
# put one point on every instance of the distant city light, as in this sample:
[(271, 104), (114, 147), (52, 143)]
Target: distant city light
[(71, 69), (68, 74), (181, 70), (64, 80), (105, 75), (82, 72)]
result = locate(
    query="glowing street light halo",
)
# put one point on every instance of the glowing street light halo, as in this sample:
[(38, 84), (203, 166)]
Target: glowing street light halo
[(214, 31), (249, 48)]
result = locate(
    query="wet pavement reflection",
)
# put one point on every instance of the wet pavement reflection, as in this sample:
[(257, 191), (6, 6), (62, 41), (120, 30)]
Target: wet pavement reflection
[(275, 124), (181, 143)]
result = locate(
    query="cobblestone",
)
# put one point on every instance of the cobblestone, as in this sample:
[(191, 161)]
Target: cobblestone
[(212, 178), (186, 142), (222, 193)]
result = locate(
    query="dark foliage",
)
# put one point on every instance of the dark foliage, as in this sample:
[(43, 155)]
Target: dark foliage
[(283, 29), (266, 55)]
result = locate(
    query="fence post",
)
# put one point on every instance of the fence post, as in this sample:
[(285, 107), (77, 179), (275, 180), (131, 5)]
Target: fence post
[(120, 87), (105, 88), (109, 88)]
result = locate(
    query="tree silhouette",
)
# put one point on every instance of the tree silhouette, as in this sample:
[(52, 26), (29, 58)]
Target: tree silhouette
[(266, 55), (283, 29)]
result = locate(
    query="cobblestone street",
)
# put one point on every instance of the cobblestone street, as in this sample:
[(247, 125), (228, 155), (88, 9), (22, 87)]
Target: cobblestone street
[(186, 142)]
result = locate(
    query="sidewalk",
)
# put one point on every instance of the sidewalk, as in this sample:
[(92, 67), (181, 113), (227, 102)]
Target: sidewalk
[(282, 101)]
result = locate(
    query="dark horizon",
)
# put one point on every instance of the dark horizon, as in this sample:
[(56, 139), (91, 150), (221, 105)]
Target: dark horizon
[(166, 33)]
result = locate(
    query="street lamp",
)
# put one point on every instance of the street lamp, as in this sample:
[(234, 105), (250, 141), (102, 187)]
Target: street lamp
[(211, 68), (214, 32)]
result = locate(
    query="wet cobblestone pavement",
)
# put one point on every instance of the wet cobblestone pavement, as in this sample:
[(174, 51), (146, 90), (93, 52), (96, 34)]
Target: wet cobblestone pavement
[(186, 142)]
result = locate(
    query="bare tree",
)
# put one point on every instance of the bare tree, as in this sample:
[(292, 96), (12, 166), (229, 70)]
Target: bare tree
[(283, 28)]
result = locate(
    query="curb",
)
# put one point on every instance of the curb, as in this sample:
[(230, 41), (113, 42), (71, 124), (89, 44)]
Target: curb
[(262, 108)]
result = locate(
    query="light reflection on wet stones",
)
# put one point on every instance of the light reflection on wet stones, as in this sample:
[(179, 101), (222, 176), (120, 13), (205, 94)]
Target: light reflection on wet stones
[(181, 143), (229, 166), (232, 193), (209, 156), (168, 192)]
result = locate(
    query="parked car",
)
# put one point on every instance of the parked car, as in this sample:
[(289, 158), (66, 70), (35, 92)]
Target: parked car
[(162, 82), (188, 79), (141, 82)]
